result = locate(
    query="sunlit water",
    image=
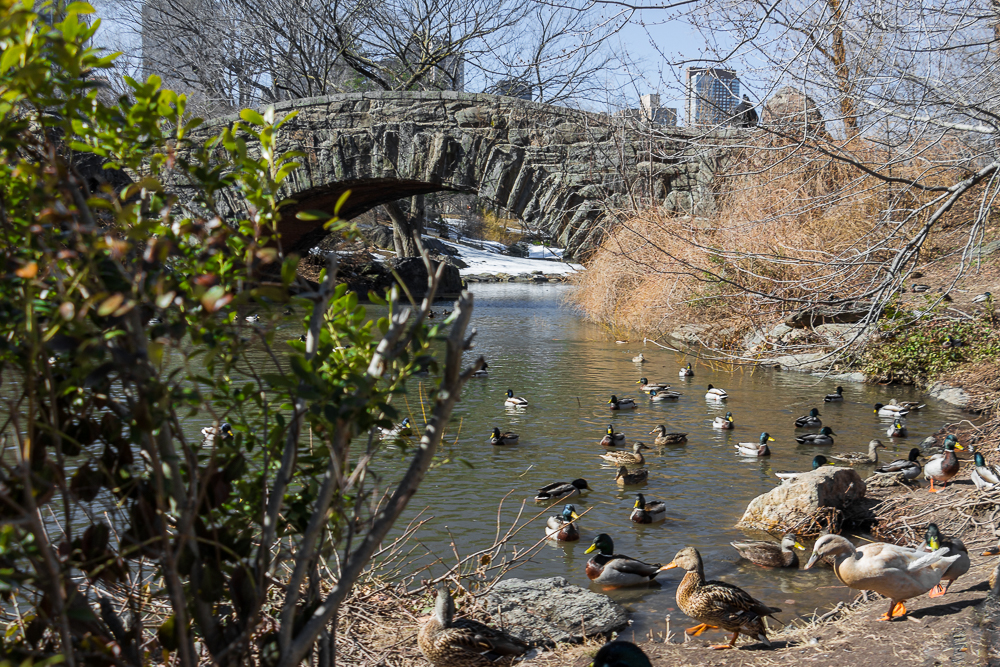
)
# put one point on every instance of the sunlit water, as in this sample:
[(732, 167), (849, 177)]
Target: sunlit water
[(567, 369)]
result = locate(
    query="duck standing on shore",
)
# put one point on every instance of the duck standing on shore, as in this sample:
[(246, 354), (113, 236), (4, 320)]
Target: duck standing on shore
[(898, 573), (717, 604), (942, 467), (984, 476), (933, 540)]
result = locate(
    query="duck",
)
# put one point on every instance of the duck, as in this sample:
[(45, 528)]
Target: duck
[(995, 574), (607, 567), (897, 430), (982, 298), (771, 554), (891, 411), (896, 572), (907, 405), (648, 386), (401, 430), (620, 653), (562, 490), (724, 422), (639, 359), (499, 439), (821, 438), (446, 642), (224, 432), (253, 319), (716, 394), (153, 321), (790, 477), (658, 395), (942, 467), (933, 540), (561, 527), (645, 511), (626, 477), (909, 467), (612, 438), (835, 397), (810, 420), (984, 476), (950, 343), (751, 449), (482, 372), (861, 458), (686, 372), (302, 338), (633, 458), (664, 438), (717, 604), (515, 401), (622, 404)]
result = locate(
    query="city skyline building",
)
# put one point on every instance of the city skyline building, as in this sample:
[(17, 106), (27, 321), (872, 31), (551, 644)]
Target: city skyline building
[(712, 95), (651, 111)]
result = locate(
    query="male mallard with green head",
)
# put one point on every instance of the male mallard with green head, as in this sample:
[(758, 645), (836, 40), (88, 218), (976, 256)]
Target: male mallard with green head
[(648, 511), (759, 448), (934, 540), (622, 404), (498, 439), (561, 490), (447, 642), (612, 439), (648, 386), (821, 438), (724, 422), (561, 526), (717, 604), (686, 372), (810, 420), (607, 567), (515, 401), (942, 467), (909, 467)]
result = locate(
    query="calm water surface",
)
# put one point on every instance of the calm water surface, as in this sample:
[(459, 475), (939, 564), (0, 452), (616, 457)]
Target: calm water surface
[(567, 369)]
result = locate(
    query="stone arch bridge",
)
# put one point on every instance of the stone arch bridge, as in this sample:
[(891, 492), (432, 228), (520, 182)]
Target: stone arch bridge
[(558, 169)]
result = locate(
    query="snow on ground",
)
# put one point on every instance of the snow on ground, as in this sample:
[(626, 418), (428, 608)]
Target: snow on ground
[(490, 262)]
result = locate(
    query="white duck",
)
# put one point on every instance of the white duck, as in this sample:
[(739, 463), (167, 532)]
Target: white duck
[(716, 394), (898, 573)]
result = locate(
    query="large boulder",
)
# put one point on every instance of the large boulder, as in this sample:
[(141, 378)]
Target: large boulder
[(808, 501), (413, 273), (545, 611), (790, 110)]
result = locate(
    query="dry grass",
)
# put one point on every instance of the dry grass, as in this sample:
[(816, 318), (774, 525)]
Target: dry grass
[(789, 225)]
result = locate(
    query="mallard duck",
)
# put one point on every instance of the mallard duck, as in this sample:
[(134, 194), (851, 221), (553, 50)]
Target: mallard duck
[(482, 372), (995, 574), (658, 396), (909, 467), (686, 372), (664, 438), (724, 422), (648, 386), (622, 404), (607, 567), (897, 430), (633, 458), (984, 476), (751, 449), (717, 604), (561, 526), (515, 401), (716, 394), (626, 477), (898, 573), (833, 398), (561, 490), (982, 298), (907, 405), (950, 343), (891, 411), (499, 439), (224, 432), (648, 512), (612, 439), (861, 458), (253, 319), (401, 430), (920, 287), (771, 554), (942, 467), (810, 420), (790, 477), (446, 642), (821, 438), (153, 321), (621, 654), (933, 540), (639, 359)]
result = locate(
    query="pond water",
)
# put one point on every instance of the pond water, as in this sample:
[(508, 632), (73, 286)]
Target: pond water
[(567, 369)]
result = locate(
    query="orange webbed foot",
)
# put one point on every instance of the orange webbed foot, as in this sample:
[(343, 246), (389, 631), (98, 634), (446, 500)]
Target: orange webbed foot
[(937, 591)]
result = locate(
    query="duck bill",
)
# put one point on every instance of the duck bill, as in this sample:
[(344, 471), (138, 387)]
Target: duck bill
[(592, 547), (575, 516), (669, 566), (959, 447), (798, 545), (812, 561), (933, 544), (995, 551), (770, 439)]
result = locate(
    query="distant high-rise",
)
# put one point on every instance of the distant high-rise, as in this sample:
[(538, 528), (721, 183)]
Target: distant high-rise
[(650, 110), (512, 88), (712, 95)]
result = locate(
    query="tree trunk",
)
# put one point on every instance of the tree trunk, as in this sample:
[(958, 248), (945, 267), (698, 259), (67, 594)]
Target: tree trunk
[(404, 228), (842, 71)]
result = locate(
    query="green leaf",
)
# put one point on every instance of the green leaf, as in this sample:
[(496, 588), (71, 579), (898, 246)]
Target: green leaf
[(251, 116)]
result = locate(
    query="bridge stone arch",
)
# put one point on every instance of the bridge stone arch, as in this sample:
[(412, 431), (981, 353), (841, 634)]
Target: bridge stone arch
[(558, 169)]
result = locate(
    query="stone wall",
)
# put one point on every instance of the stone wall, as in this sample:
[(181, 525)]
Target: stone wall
[(558, 169)]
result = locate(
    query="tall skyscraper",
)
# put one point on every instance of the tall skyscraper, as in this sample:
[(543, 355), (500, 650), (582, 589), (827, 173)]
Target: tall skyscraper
[(712, 95)]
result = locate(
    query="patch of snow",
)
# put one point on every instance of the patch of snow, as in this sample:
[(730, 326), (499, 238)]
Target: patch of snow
[(544, 252), (488, 261)]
